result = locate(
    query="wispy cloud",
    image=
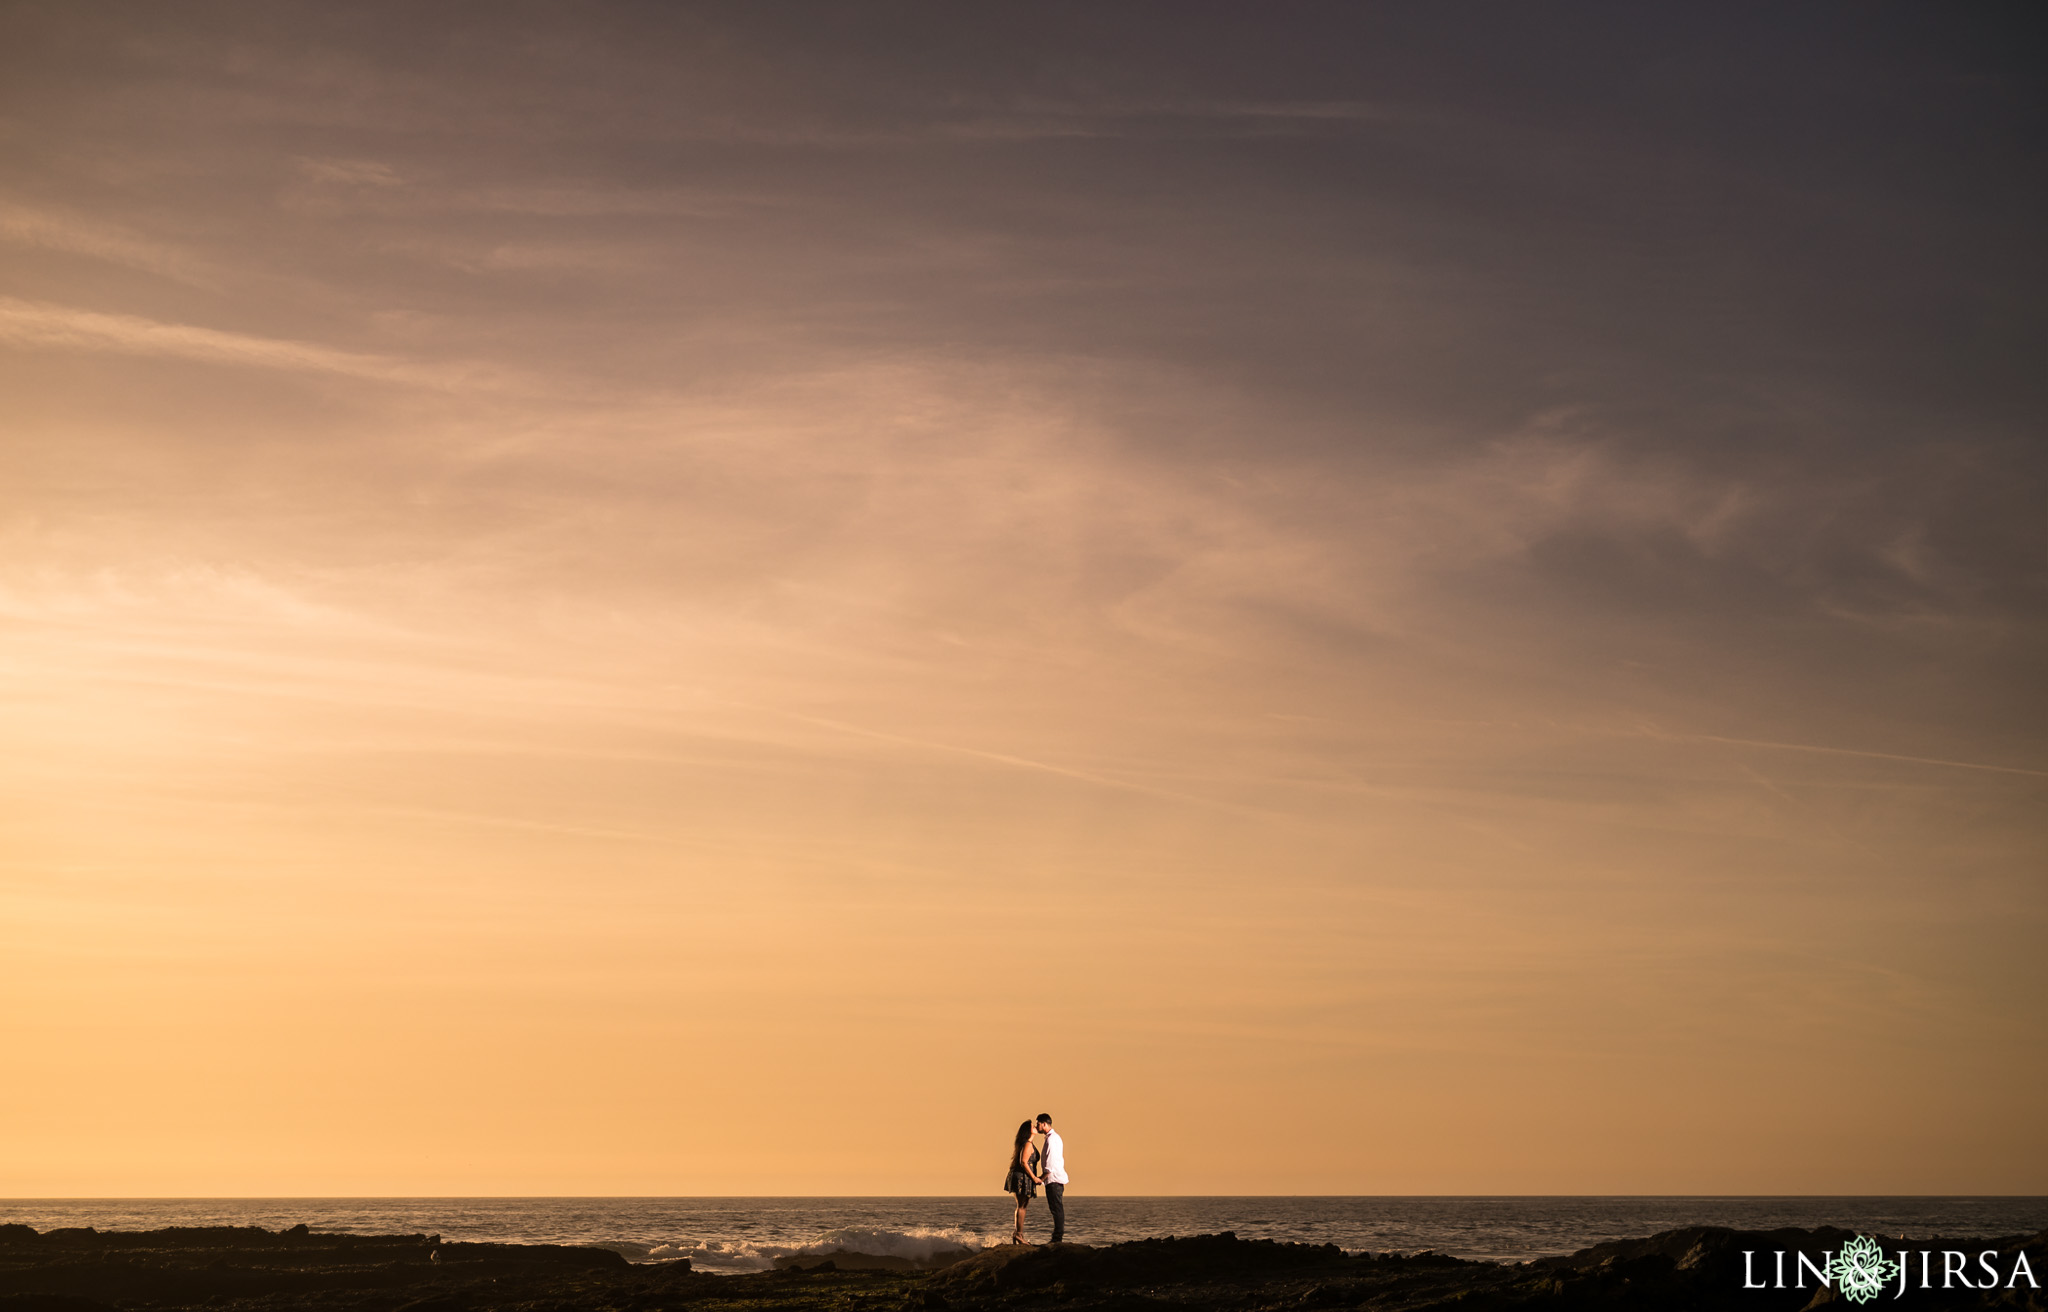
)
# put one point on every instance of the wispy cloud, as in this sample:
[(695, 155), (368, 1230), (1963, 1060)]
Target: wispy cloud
[(1824, 750), (350, 172), (81, 234), (42, 324)]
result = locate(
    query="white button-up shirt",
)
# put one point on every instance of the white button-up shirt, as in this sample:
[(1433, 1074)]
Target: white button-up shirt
[(1055, 1166)]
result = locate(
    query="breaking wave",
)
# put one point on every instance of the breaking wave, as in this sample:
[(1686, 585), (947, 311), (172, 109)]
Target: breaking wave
[(920, 1247)]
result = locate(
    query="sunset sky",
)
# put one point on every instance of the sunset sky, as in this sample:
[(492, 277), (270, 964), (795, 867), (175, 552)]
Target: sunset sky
[(730, 598)]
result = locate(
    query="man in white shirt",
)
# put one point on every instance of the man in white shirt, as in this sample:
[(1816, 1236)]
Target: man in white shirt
[(1054, 1169)]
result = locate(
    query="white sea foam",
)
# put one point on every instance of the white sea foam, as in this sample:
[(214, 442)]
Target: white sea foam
[(722, 1257), (921, 1245)]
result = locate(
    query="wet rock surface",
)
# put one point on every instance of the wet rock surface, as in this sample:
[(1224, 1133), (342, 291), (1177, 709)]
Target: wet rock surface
[(224, 1269)]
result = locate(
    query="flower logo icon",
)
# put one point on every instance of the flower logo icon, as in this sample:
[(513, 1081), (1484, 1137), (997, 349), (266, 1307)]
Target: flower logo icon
[(1861, 1269)]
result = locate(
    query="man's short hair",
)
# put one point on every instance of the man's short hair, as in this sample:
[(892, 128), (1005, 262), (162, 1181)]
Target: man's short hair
[(1045, 1117)]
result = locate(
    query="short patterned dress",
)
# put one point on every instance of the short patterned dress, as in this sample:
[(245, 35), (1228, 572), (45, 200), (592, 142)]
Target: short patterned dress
[(1019, 1184)]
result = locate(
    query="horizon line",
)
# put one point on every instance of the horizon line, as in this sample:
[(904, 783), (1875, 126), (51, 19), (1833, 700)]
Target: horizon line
[(344, 1198)]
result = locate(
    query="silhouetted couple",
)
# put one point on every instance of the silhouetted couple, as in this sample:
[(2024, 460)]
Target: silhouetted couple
[(1031, 1166)]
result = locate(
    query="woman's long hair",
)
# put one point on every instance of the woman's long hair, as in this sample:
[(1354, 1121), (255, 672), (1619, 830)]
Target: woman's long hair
[(1023, 1137)]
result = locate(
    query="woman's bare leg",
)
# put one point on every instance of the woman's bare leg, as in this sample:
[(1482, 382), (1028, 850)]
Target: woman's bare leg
[(1018, 1237)]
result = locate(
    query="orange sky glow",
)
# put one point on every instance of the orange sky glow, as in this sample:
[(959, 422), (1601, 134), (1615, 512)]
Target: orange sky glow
[(672, 601)]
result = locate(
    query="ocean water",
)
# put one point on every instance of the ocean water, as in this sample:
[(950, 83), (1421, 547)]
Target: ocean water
[(734, 1235)]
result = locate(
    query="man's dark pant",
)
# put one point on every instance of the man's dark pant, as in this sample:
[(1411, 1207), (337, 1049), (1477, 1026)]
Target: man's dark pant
[(1056, 1203)]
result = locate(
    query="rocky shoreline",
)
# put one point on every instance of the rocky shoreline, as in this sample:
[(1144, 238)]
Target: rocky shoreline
[(247, 1269)]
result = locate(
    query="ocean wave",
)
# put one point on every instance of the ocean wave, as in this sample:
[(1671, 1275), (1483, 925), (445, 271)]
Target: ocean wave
[(923, 1244), (629, 1250), (919, 1247)]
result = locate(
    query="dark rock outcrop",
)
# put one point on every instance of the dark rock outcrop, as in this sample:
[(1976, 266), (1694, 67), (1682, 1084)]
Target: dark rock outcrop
[(231, 1269)]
